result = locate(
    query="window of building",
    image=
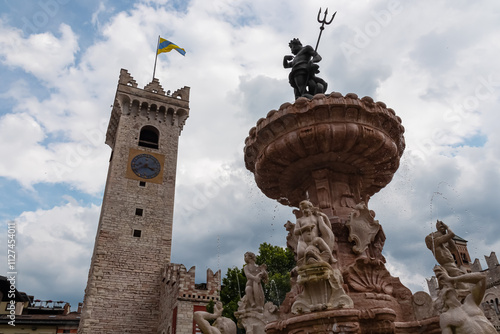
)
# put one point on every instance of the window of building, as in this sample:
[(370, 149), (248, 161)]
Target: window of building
[(149, 137), (142, 184), (139, 212), (137, 233), (464, 258)]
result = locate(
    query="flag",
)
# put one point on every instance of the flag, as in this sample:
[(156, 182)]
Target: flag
[(167, 46)]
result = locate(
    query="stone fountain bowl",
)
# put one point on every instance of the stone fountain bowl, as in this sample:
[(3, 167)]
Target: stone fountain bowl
[(344, 134)]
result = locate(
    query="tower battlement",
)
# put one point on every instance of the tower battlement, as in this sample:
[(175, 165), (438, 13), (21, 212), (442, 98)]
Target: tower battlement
[(180, 297), (187, 288), (152, 104), (492, 260)]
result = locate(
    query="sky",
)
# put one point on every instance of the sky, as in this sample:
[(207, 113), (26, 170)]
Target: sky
[(434, 62)]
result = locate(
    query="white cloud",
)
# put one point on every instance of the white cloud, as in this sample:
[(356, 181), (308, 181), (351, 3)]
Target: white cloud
[(430, 66), (52, 248), (43, 55)]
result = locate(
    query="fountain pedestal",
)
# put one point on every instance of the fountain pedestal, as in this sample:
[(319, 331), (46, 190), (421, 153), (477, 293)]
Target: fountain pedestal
[(331, 321), (322, 289)]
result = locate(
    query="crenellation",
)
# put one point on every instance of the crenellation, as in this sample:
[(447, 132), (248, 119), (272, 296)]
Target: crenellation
[(476, 266), (492, 260), (126, 79), (182, 93), (155, 87)]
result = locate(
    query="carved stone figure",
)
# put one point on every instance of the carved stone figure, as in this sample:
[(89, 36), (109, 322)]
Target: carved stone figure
[(322, 289), (440, 243), (316, 240), (222, 325), (253, 314), (255, 321), (321, 284), (255, 274), (463, 317), (303, 77), (362, 228)]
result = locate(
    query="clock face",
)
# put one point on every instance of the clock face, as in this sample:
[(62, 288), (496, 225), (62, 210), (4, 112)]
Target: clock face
[(145, 166)]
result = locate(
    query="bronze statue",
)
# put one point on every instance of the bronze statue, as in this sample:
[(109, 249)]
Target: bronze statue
[(303, 77)]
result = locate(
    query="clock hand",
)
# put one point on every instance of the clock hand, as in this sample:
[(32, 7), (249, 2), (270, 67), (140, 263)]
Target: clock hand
[(147, 166)]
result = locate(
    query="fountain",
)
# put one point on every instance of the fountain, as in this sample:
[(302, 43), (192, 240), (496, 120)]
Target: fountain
[(328, 154)]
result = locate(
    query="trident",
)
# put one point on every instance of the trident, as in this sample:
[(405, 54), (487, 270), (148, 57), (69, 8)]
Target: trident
[(323, 22)]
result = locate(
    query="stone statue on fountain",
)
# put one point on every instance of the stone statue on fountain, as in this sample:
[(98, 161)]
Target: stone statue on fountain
[(316, 241), (220, 325), (441, 244), (253, 312), (320, 279), (462, 316)]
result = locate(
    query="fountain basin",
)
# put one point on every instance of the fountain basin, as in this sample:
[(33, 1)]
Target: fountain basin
[(347, 137)]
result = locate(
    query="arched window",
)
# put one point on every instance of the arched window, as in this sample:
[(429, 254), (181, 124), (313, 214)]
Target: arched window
[(149, 137)]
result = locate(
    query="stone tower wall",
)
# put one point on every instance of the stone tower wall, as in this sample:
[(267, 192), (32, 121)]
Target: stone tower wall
[(180, 295), (123, 289)]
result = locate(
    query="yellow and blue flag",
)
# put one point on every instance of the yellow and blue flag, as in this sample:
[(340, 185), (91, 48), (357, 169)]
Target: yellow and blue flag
[(167, 46)]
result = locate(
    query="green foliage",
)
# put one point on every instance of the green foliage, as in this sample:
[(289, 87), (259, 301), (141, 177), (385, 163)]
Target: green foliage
[(210, 306), (280, 261), (233, 288)]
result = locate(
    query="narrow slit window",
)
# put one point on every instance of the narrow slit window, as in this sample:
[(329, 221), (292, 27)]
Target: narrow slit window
[(137, 233)]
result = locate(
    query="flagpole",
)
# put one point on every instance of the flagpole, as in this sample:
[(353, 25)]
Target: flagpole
[(156, 57)]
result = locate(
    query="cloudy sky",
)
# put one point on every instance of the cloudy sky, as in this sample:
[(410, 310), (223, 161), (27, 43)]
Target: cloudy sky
[(434, 62)]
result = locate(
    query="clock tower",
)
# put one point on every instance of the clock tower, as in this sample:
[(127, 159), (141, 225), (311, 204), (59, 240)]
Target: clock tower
[(134, 235)]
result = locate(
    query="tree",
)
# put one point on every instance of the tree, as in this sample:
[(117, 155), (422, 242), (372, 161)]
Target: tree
[(233, 288), (280, 262)]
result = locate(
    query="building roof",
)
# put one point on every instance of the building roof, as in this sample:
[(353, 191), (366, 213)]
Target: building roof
[(457, 238), (72, 318)]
